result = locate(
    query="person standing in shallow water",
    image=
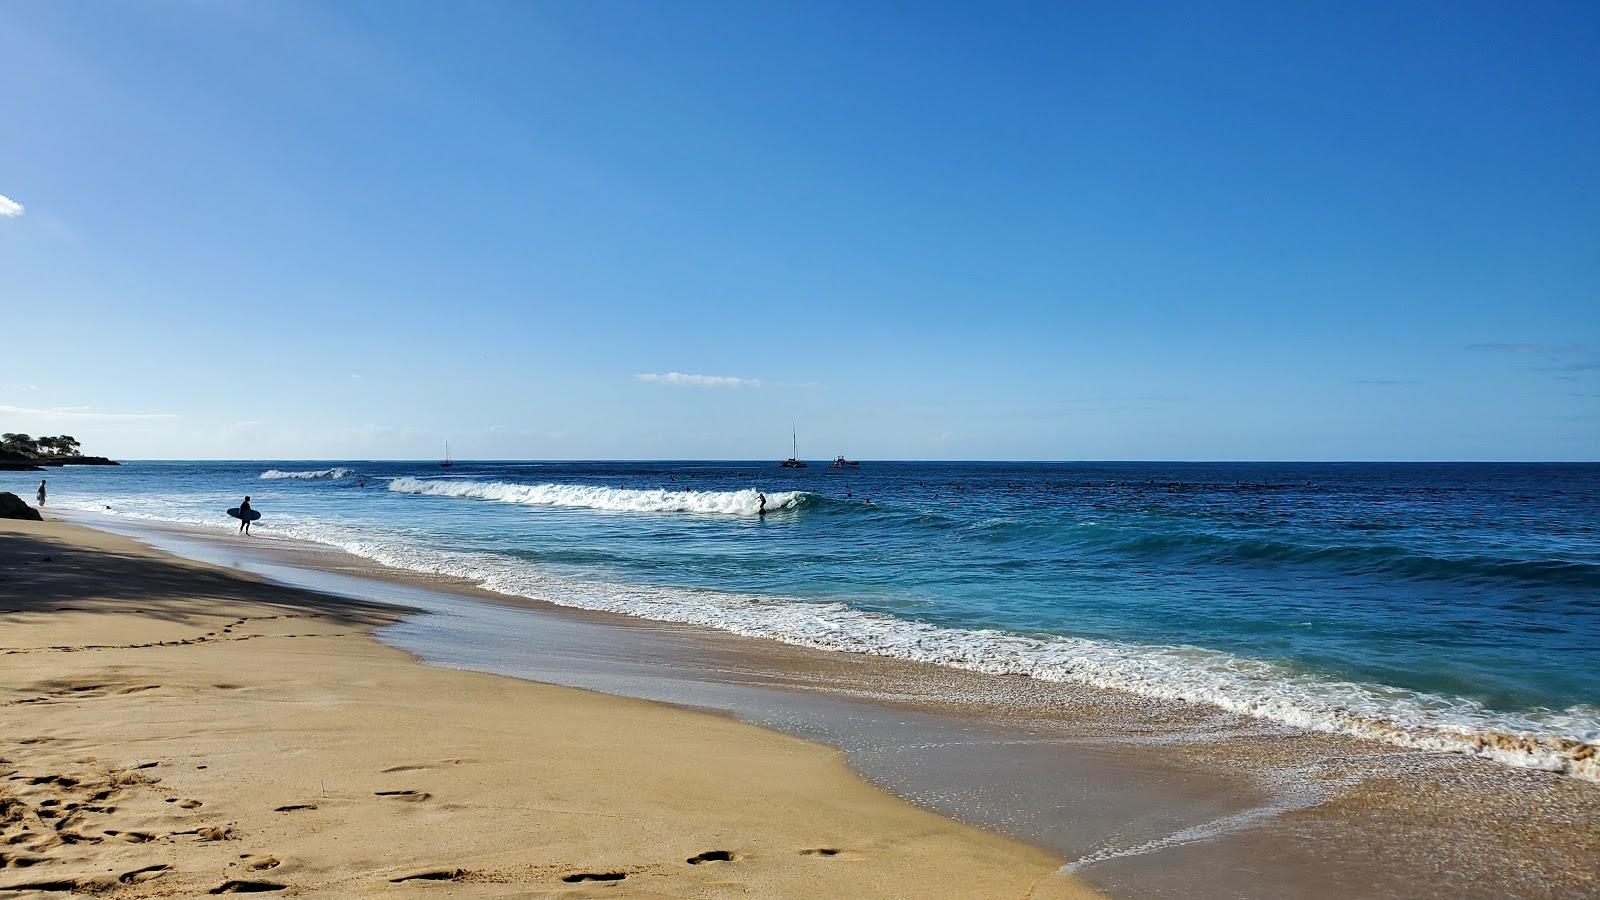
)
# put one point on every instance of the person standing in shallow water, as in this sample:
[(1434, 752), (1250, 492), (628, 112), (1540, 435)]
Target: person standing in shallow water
[(244, 516), (41, 492)]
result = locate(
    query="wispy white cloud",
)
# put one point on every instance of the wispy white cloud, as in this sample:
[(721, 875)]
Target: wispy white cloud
[(1568, 358), (77, 412), (681, 379), (19, 387), (502, 432), (9, 208), (1558, 349)]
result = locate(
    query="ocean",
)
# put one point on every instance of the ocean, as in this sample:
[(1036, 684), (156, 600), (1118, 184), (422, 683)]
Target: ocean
[(1453, 607)]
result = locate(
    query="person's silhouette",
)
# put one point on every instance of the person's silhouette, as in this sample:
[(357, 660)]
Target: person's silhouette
[(244, 516)]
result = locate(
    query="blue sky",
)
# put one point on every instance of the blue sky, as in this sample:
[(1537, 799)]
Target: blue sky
[(1038, 231)]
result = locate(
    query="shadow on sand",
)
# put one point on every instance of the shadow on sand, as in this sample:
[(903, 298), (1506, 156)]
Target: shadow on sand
[(41, 574)]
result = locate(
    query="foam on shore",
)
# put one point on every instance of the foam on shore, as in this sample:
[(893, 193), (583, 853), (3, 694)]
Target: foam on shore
[(1564, 741)]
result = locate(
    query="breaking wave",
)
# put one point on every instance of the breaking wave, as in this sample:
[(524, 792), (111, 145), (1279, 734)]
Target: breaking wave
[(1556, 740), (581, 496), (271, 474), (1563, 741)]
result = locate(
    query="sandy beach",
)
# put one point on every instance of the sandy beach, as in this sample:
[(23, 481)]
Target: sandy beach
[(800, 450), (171, 728), (1138, 799)]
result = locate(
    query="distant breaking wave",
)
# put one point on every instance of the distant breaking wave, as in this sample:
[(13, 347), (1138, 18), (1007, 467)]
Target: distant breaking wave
[(313, 473), (582, 496)]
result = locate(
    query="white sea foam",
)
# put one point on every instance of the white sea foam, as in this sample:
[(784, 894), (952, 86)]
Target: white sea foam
[(1558, 740), (583, 496), (313, 473)]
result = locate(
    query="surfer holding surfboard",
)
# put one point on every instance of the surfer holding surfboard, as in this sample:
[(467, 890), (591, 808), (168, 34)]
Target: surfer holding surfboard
[(245, 515)]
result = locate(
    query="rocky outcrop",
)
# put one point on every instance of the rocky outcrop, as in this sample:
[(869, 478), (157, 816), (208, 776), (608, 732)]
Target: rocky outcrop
[(12, 507), (12, 461)]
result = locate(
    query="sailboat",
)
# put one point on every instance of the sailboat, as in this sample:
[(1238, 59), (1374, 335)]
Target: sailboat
[(447, 463), (793, 462)]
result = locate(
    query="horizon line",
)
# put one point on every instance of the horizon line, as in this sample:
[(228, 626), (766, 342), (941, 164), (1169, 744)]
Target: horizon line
[(619, 459)]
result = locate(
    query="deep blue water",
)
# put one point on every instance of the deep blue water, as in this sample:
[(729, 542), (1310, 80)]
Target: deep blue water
[(1454, 596)]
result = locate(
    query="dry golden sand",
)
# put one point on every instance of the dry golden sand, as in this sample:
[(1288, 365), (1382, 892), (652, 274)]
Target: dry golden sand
[(172, 729)]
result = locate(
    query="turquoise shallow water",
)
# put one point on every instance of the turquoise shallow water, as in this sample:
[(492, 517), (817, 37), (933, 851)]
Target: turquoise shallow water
[(1418, 603)]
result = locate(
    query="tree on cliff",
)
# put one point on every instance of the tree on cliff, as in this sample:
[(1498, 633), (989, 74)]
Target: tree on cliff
[(61, 445), (27, 445)]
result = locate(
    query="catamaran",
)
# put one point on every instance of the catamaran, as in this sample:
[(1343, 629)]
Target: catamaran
[(793, 462)]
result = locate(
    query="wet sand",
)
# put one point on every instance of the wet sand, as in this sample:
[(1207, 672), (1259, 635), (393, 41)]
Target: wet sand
[(1141, 798), (169, 728)]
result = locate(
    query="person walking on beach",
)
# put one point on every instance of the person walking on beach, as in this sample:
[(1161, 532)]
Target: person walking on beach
[(244, 516), (41, 492)]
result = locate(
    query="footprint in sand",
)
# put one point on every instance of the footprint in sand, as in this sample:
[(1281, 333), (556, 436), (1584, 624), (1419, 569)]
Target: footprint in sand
[(712, 856), (576, 877), (294, 807), (820, 851), (235, 886), (259, 863), (430, 875), (409, 796), (145, 874), (413, 767), (212, 833), (57, 885)]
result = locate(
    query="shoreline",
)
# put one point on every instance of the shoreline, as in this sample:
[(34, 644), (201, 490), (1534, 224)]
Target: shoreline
[(1188, 797), (1545, 739), (228, 733)]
